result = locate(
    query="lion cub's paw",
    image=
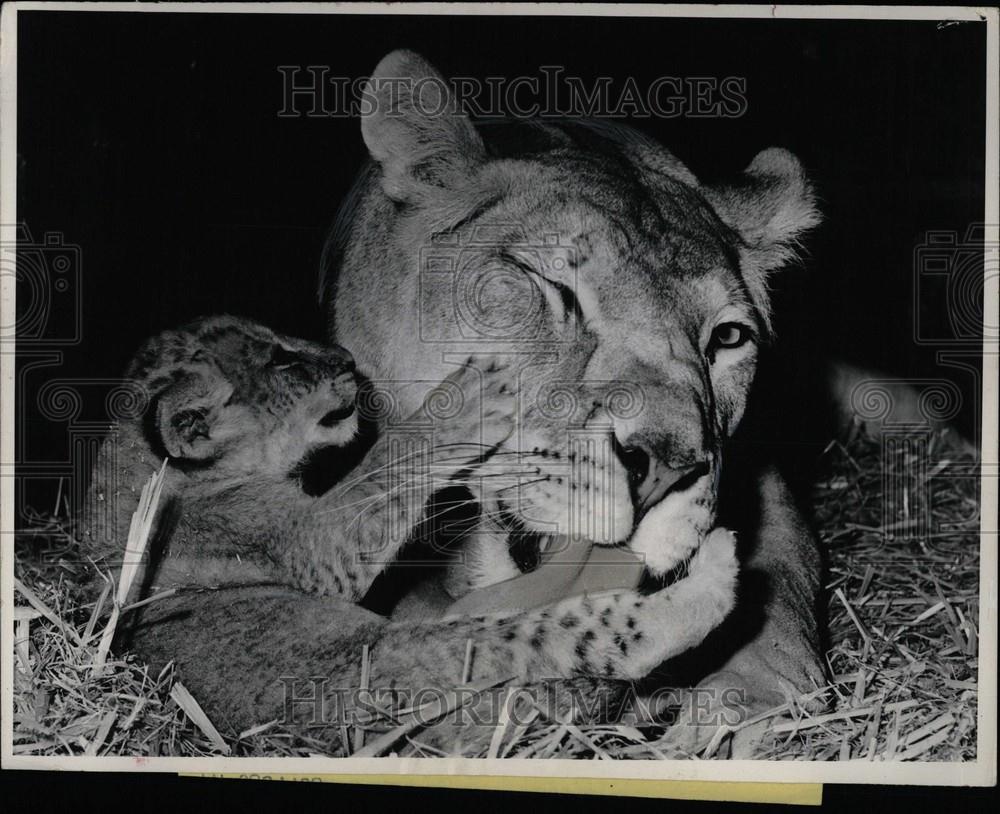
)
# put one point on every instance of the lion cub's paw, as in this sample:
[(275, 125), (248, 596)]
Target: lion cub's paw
[(680, 616), (709, 589), (715, 561), (476, 404)]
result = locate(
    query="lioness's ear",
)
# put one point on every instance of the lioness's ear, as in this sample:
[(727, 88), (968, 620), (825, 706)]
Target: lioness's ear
[(414, 129), (770, 205), (186, 414)]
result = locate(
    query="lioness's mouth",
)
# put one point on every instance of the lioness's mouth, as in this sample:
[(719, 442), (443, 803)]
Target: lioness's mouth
[(531, 549), (525, 546)]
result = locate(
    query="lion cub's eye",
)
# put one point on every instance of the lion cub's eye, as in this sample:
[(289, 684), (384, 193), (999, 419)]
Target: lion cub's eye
[(729, 335), (281, 359)]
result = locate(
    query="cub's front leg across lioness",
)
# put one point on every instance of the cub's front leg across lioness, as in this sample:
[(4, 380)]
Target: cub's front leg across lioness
[(614, 634), (277, 653)]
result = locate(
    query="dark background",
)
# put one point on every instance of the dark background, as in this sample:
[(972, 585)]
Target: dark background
[(152, 142)]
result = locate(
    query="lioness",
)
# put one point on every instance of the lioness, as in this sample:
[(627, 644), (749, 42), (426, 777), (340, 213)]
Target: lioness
[(634, 299), (265, 577)]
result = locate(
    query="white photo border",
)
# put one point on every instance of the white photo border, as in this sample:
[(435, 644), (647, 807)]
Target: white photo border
[(981, 772)]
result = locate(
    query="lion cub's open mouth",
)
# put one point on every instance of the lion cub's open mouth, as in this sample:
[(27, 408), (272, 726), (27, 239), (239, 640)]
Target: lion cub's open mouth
[(335, 416)]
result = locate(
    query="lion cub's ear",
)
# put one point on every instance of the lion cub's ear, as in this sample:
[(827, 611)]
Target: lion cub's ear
[(188, 412), (414, 129), (770, 205)]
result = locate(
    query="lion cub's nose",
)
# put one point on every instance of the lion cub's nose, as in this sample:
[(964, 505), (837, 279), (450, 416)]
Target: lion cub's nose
[(340, 358), (651, 480)]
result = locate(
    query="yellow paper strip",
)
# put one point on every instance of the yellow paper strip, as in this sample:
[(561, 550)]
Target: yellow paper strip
[(803, 794)]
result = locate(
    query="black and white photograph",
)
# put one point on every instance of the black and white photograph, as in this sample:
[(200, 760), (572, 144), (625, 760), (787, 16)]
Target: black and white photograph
[(516, 390)]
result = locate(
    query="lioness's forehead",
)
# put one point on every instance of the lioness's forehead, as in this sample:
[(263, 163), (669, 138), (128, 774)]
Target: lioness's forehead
[(639, 196), (668, 228)]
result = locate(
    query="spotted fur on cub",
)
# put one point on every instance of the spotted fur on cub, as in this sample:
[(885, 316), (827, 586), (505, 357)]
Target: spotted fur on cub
[(267, 576)]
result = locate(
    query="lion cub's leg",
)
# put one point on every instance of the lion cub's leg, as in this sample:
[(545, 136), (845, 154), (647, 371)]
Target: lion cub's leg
[(616, 634), (342, 540), (780, 658), (299, 656)]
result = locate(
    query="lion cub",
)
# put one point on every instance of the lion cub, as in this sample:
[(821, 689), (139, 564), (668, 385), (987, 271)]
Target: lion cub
[(237, 408)]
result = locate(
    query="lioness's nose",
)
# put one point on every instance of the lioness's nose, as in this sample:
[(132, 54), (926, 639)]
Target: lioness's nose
[(651, 479)]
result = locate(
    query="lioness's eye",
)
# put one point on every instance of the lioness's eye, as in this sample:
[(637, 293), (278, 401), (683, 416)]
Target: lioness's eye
[(564, 296), (567, 297), (729, 335)]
